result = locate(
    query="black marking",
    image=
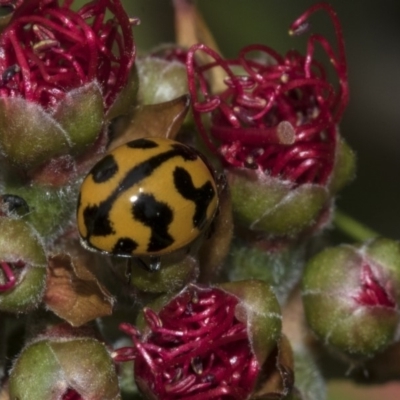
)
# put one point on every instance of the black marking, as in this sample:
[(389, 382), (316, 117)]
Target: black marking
[(97, 221), (105, 169), (202, 196), (134, 176), (14, 204), (142, 144), (124, 246), (9, 73), (157, 216)]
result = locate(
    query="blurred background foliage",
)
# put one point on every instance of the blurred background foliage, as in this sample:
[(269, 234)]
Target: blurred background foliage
[(371, 123)]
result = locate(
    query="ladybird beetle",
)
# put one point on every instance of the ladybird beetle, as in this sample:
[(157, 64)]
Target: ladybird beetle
[(146, 198)]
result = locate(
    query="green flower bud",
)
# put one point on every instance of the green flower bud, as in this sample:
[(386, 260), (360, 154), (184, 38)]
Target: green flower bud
[(350, 296), (273, 206), (169, 278), (80, 113), (28, 135), (50, 208), (260, 310), (23, 266), (278, 263), (160, 80), (62, 364), (31, 136), (126, 99)]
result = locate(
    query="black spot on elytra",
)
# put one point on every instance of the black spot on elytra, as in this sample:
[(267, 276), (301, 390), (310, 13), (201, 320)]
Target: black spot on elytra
[(157, 216), (200, 196), (105, 169), (96, 221), (124, 246), (142, 144)]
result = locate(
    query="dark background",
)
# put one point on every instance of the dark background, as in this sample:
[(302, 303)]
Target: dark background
[(372, 120)]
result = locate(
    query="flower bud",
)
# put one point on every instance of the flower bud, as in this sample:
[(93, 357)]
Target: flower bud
[(50, 209), (160, 80), (351, 296), (277, 263), (270, 205), (206, 342), (61, 71), (64, 365), (22, 266), (170, 278), (273, 122)]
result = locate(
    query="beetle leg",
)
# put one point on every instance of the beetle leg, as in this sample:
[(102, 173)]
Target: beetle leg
[(152, 266)]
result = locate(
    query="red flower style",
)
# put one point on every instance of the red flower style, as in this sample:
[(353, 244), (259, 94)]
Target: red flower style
[(48, 49), (9, 278), (277, 114), (195, 349), (371, 292), (71, 394)]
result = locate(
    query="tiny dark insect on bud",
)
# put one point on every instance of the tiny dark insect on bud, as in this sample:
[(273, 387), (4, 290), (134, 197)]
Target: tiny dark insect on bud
[(13, 205)]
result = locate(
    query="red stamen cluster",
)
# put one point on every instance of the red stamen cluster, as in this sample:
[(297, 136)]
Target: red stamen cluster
[(48, 49), (277, 113), (372, 293), (9, 277), (196, 349)]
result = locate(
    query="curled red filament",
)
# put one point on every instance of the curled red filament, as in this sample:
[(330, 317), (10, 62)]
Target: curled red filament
[(49, 49), (196, 349), (277, 113), (9, 278)]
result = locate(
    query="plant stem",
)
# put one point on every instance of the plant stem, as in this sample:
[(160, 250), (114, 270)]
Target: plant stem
[(352, 228)]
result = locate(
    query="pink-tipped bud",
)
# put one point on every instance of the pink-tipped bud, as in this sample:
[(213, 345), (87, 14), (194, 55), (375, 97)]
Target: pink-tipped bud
[(351, 296)]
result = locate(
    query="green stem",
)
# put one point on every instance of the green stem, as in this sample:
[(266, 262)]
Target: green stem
[(353, 228)]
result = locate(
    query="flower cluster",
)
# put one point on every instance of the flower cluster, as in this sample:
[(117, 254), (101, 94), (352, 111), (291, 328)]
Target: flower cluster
[(134, 231), (277, 113), (195, 348), (48, 49)]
